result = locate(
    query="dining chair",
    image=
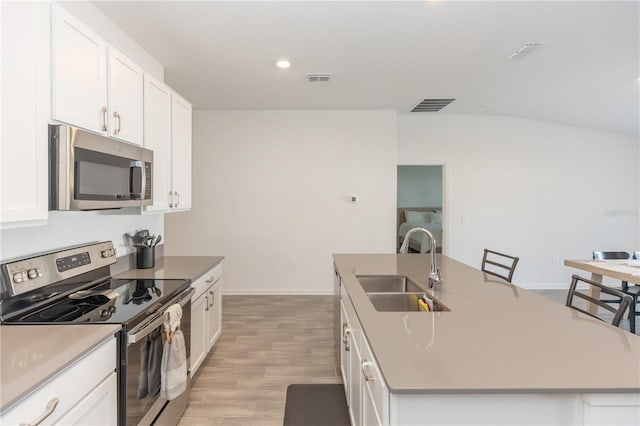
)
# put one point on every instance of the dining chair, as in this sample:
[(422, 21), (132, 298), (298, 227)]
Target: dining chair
[(574, 293), (499, 264), (633, 291)]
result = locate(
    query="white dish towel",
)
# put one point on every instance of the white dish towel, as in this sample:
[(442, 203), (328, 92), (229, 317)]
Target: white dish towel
[(174, 356)]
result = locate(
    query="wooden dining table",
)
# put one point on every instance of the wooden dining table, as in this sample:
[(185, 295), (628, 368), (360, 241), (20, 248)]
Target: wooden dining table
[(625, 270)]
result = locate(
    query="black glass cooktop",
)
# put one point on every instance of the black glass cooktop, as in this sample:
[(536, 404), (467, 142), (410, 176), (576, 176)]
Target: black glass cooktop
[(110, 301)]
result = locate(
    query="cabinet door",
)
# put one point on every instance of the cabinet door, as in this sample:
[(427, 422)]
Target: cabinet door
[(355, 385), (198, 332), (345, 359), (369, 414), (181, 152), (125, 97), (24, 84), (99, 407), (79, 73), (215, 311), (211, 318), (157, 137)]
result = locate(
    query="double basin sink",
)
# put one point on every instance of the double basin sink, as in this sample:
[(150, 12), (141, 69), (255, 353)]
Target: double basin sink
[(395, 293)]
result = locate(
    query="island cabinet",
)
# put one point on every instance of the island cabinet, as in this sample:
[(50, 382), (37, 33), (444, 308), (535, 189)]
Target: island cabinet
[(366, 393), (85, 393), (95, 86), (467, 366), (206, 315)]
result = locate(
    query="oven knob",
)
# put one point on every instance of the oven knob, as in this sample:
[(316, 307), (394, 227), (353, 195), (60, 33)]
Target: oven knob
[(17, 277), (32, 273)]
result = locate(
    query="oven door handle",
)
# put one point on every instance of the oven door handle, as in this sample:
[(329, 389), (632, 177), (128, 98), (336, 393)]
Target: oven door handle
[(146, 330)]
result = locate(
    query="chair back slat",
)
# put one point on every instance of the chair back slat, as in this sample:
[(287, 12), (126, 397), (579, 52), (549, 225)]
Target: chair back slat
[(504, 264), (625, 299)]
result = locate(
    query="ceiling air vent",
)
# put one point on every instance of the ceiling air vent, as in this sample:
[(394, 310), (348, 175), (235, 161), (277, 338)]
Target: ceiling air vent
[(524, 49), (313, 77), (432, 105)]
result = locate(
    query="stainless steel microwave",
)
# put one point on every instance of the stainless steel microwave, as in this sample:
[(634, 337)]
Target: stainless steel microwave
[(92, 172)]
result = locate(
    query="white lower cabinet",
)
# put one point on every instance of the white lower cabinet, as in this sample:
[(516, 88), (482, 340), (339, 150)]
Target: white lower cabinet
[(97, 407), (371, 404), (367, 395), (85, 393), (206, 315)]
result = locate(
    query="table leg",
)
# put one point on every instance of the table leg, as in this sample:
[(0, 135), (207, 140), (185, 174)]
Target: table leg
[(592, 308)]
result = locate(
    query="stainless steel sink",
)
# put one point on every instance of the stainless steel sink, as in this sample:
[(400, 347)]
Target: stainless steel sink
[(388, 284), (401, 302)]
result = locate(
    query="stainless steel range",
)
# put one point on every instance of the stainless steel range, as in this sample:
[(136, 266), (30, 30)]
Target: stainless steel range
[(75, 286)]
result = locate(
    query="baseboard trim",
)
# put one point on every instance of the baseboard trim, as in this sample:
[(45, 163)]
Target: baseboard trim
[(276, 292)]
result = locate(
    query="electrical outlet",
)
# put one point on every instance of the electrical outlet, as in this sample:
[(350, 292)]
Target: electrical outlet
[(293, 266)]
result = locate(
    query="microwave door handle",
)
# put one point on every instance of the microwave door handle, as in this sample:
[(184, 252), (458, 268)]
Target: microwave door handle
[(132, 169)]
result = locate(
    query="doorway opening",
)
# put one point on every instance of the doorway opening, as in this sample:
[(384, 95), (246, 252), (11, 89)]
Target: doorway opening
[(420, 204)]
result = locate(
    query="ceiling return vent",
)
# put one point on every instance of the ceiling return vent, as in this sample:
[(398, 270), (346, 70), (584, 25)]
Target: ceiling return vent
[(432, 105), (524, 50), (313, 77)]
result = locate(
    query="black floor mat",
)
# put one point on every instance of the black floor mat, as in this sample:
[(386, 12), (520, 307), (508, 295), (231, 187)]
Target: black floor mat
[(316, 405)]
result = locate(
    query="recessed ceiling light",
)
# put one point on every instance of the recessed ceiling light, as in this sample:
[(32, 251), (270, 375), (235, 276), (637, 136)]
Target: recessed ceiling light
[(283, 63)]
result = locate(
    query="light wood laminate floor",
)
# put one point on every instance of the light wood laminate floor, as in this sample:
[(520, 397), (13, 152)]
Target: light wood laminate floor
[(267, 343)]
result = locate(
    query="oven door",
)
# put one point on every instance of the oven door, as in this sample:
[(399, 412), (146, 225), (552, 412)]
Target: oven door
[(141, 371)]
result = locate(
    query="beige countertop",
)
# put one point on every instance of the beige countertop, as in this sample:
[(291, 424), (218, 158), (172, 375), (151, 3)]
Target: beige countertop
[(497, 338), (174, 267), (32, 354)]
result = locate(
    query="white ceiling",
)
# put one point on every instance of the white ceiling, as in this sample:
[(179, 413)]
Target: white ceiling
[(391, 55)]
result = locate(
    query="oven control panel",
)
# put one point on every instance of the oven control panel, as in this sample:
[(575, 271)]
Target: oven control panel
[(24, 275)]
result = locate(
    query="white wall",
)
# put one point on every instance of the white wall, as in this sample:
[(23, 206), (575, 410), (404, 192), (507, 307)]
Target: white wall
[(272, 188), (64, 229), (419, 186), (541, 191)]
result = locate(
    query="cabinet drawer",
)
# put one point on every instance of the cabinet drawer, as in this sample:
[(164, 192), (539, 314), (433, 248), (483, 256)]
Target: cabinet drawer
[(373, 381), (207, 280), (69, 386)]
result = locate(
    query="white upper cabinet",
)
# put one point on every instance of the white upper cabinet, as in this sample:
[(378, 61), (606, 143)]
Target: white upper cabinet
[(79, 73), (90, 89), (180, 152), (125, 98), (24, 84), (157, 137)]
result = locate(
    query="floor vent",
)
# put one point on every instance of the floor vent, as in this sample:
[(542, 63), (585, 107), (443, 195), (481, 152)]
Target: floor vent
[(432, 105), (313, 77)]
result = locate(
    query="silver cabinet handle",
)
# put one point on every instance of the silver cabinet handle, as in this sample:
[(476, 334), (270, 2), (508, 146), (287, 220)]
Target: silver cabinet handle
[(116, 117), (367, 377), (103, 119), (213, 298), (50, 408), (170, 199), (177, 195), (345, 337), (206, 301)]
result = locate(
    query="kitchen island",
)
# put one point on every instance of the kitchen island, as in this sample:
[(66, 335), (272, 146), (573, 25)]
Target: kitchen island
[(500, 355)]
